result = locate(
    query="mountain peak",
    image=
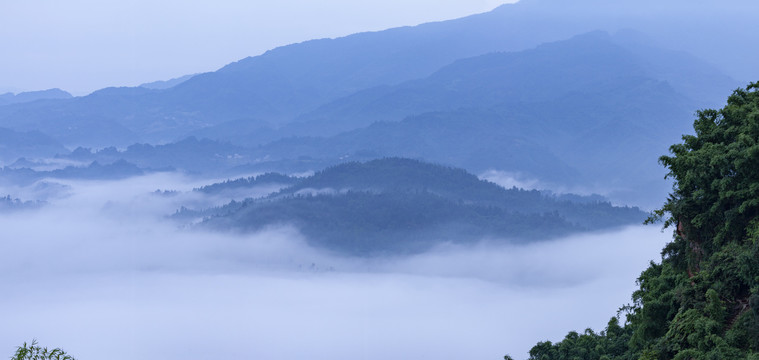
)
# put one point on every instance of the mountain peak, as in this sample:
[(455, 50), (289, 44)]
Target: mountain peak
[(29, 96)]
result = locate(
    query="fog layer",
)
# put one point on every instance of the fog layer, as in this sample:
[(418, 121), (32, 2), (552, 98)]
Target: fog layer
[(101, 273)]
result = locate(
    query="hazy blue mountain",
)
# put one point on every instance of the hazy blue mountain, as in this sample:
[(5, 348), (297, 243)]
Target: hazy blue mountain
[(689, 75), (93, 171), (288, 81), (245, 131), (166, 84), (190, 155), (582, 112), (714, 30), (109, 117), (477, 140), (591, 64), (614, 157), (33, 144), (195, 156), (24, 97), (396, 205), (586, 112), (90, 120)]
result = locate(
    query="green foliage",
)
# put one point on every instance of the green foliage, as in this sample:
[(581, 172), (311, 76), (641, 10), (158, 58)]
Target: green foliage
[(702, 301), (609, 344), (35, 352), (716, 195)]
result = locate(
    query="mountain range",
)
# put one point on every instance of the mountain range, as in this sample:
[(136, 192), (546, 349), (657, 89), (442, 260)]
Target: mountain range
[(566, 104), (292, 80)]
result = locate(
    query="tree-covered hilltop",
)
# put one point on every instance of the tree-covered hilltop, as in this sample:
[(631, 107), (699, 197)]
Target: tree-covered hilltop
[(414, 176), (702, 301), (396, 205), (268, 178)]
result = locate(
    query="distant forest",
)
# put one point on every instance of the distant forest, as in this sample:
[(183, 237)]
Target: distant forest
[(397, 205)]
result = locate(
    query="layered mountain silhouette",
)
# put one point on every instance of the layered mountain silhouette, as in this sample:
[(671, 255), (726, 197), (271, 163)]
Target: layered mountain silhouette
[(289, 81), (589, 64), (499, 91), (167, 84), (579, 113)]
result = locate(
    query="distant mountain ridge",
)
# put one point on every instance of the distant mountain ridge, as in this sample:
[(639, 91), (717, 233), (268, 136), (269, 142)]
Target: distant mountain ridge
[(166, 84), (292, 80), (17, 144), (590, 63), (29, 96), (93, 171)]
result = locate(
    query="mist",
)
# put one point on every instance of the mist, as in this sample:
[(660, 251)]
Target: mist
[(101, 272)]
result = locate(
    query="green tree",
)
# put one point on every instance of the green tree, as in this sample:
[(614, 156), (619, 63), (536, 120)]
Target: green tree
[(702, 301), (35, 352), (716, 173)]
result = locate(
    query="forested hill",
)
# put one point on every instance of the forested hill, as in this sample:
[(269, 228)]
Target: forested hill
[(248, 183), (395, 206), (702, 301), (415, 176)]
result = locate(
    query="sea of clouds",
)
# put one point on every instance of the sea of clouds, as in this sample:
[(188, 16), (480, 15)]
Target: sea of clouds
[(103, 273)]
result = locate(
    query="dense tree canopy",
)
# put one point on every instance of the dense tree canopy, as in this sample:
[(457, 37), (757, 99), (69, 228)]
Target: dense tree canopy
[(702, 301), (397, 205)]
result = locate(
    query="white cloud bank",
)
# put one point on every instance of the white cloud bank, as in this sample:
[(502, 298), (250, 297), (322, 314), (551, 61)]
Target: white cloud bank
[(101, 275)]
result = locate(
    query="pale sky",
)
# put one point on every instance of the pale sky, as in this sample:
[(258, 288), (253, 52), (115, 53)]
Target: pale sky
[(84, 45)]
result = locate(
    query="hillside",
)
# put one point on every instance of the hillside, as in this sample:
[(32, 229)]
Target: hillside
[(702, 300), (397, 206)]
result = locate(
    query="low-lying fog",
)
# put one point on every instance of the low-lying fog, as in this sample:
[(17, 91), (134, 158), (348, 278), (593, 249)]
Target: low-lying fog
[(101, 273)]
